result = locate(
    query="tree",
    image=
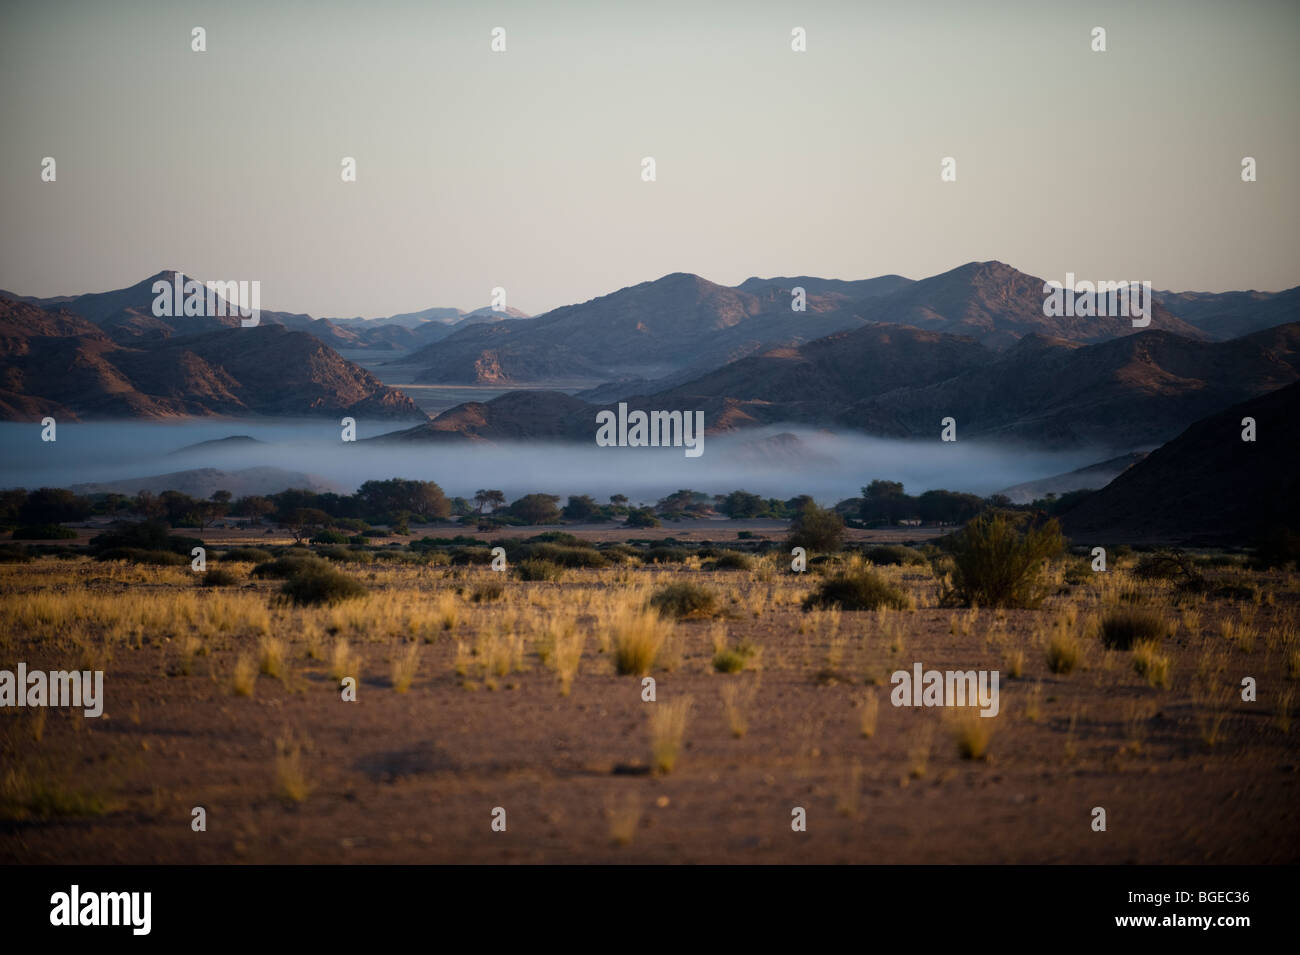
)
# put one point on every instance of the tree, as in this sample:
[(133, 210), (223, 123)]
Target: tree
[(304, 521), (179, 508), (948, 507), (254, 507), (489, 498), (53, 505), (741, 504), (884, 502), (581, 507), (387, 499), (537, 508), (817, 528), (642, 517), (683, 502), (148, 506)]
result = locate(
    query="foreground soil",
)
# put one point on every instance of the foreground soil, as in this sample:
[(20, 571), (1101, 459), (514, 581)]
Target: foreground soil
[(292, 773)]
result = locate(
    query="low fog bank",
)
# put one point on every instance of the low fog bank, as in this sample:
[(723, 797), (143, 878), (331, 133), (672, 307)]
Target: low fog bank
[(773, 462)]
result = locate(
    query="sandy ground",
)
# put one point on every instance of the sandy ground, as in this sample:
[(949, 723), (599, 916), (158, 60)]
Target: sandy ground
[(415, 777)]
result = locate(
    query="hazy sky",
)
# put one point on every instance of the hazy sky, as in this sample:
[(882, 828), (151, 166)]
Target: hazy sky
[(522, 169)]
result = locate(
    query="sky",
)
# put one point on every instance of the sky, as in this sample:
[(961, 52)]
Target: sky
[(523, 169)]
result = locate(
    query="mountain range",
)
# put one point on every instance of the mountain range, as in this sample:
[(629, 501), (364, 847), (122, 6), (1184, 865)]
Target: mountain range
[(60, 364), (887, 356)]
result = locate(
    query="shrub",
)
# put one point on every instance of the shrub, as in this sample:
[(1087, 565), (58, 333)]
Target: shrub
[(247, 555), (732, 560), (492, 590), (667, 728), (534, 569), (159, 558), (556, 537), (330, 537), (995, 565), (219, 577), (1150, 663), (1166, 565), (727, 659), (685, 599), (145, 535), (894, 555), (463, 556), (857, 590), (567, 556), (666, 555), (620, 553), (638, 638), (1126, 626), (641, 517), (972, 733), (14, 554), (321, 584), (817, 528), (282, 568), (1063, 653)]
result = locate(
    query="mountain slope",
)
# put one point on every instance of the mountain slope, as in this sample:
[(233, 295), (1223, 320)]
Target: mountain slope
[(998, 305), (63, 366), (650, 329), (1224, 315), (1207, 486), (1127, 393)]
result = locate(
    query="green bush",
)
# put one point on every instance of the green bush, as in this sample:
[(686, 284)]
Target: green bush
[(817, 528), (219, 577), (732, 560), (891, 555), (620, 553), (463, 556), (1125, 626), (534, 569), (567, 556), (282, 568), (330, 537), (321, 584), (857, 590), (685, 599), (733, 659), (995, 565)]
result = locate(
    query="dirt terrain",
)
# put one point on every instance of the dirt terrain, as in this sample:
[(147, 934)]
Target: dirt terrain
[(460, 710)]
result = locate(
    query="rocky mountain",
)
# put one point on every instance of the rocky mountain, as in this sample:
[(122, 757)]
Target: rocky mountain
[(998, 305), (836, 289), (814, 383), (62, 365), (1224, 315), (514, 416), (1207, 486), (683, 326), (1129, 393), (652, 329), (126, 315)]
